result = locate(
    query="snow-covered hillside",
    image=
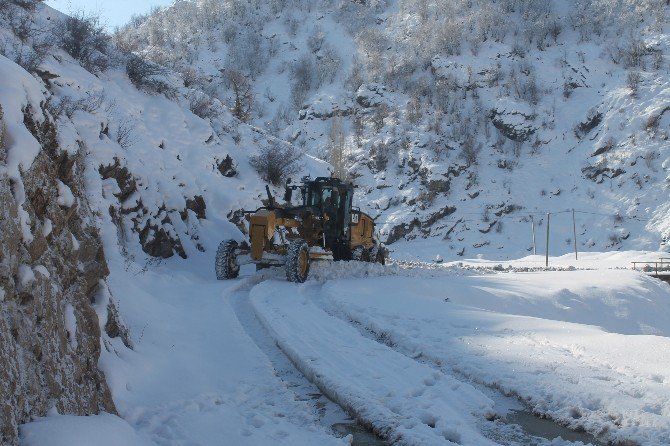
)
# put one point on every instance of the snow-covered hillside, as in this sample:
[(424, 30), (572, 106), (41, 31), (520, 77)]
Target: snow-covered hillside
[(454, 124)]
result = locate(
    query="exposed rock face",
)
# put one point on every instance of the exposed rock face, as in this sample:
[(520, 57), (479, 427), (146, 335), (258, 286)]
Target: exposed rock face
[(49, 358), (156, 240), (405, 230), (515, 124)]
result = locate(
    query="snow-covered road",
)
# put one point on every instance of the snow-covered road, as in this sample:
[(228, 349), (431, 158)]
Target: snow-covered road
[(611, 381), (426, 355)]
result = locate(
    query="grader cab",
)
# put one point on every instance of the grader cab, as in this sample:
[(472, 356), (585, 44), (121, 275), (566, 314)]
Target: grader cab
[(324, 226)]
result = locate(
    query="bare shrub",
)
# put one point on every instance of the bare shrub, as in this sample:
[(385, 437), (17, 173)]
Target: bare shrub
[(33, 42), (23, 26), (650, 158), (298, 96), (426, 198), (202, 106), (23, 55), (139, 70), (83, 37), (381, 112), (379, 155), (470, 150), (68, 106), (413, 111), (356, 75), (316, 39), (276, 162), (148, 76), (633, 80), (125, 132), (653, 121), (302, 73), (29, 5), (327, 65)]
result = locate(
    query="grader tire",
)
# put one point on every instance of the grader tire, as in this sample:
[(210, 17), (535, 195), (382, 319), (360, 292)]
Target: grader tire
[(360, 254), (225, 264), (378, 255), (297, 261)]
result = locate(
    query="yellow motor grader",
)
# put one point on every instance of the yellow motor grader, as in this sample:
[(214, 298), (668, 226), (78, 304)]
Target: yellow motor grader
[(325, 226)]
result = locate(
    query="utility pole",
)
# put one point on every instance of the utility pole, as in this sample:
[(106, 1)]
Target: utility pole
[(547, 255), (532, 222), (574, 231)]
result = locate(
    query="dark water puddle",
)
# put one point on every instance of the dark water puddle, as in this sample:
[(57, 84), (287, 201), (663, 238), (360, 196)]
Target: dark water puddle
[(362, 436), (548, 429)]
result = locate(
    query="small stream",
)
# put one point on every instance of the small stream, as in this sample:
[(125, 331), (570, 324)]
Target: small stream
[(362, 437), (547, 429), (518, 426)]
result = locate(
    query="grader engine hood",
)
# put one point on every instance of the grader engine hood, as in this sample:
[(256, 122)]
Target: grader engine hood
[(262, 226)]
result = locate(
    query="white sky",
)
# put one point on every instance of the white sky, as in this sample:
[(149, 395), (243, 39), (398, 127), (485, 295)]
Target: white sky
[(112, 12)]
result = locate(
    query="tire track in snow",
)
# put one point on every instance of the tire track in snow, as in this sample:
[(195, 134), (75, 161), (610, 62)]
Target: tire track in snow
[(402, 400), (501, 431), (326, 412)]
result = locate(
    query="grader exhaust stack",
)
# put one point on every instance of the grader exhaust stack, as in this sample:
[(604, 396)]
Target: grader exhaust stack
[(324, 226)]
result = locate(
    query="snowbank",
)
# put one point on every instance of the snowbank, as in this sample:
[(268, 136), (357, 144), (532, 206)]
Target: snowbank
[(610, 384), (402, 399), (68, 430)]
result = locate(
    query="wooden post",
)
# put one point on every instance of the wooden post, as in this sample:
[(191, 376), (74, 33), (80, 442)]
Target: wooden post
[(574, 231), (532, 222), (547, 255)]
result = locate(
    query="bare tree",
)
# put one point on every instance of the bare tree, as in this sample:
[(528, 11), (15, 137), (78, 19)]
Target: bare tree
[(244, 98), (381, 112), (358, 128), (276, 162), (337, 148)]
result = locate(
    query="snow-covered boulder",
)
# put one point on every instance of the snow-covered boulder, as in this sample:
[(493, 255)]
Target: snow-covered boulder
[(371, 95)]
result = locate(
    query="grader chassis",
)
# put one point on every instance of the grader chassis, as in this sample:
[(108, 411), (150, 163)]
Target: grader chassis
[(324, 227)]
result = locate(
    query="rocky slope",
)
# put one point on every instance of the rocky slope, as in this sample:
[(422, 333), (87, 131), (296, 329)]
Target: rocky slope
[(457, 127), (52, 267)]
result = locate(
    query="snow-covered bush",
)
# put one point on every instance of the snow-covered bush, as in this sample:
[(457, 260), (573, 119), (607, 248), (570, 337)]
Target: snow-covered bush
[(470, 149), (84, 38), (26, 4), (202, 106), (379, 156), (277, 162), (32, 42), (148, 76), (68, 106)]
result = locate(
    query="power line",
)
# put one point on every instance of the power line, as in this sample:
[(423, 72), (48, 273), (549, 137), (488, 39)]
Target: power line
[(523, 215)]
